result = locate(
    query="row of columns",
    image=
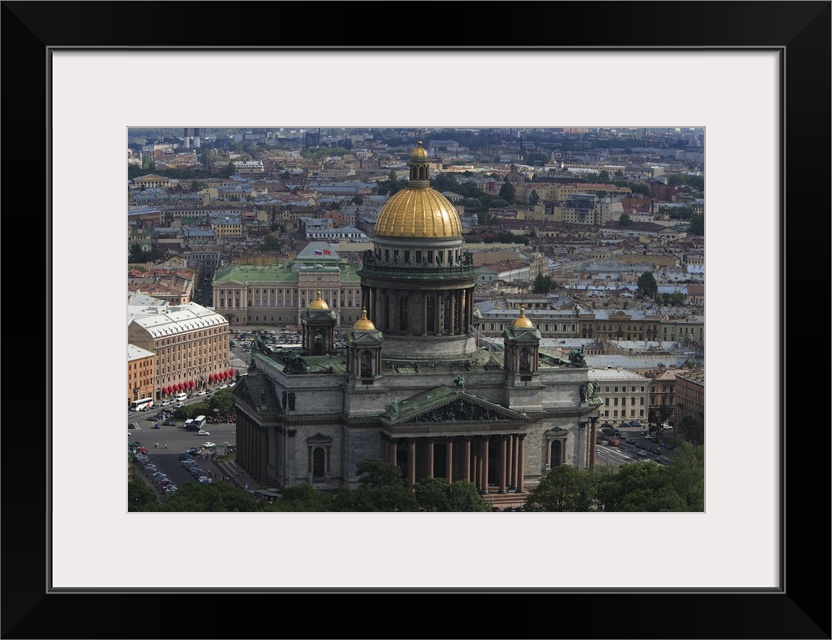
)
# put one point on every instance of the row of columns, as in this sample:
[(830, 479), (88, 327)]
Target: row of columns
[(474, 457), (252, 448), (452, 308)]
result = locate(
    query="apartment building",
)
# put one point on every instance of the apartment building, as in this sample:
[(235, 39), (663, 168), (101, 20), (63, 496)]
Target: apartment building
[(625, 394), (190, 343)]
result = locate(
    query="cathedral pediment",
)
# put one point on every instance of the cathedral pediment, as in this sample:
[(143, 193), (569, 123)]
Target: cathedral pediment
[(448, 405)]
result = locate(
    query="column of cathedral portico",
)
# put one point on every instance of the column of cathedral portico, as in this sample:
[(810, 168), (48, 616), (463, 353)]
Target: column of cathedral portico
[(430, 460), (515, 465), (411, 462), (503, 459), (467, 460), (485, 464), (520, 465), (452, 313), (449, 461), (510, 461)]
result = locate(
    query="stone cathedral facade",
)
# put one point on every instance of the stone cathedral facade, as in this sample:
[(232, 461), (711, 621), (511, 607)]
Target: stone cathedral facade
[(411, 385)]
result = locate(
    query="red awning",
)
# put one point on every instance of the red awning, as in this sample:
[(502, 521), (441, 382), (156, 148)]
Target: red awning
[(190, 384), (179, 386), (233, 372), (165, 390)]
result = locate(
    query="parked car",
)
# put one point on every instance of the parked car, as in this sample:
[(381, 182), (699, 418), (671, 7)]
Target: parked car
[(202, 432), (625, 424), (636, 423)]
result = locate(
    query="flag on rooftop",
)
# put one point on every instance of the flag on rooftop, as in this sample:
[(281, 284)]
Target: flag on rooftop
[(318, 252)]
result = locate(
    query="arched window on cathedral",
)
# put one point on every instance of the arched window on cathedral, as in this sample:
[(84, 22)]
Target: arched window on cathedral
[(318, 463), (525, 361), (366, 365), (556, 454)]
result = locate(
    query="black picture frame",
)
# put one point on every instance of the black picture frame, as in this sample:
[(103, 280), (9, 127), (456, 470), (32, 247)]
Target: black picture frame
[(800, 609)]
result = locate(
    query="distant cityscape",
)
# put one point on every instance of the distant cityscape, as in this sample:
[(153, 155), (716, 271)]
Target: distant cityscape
[(488, 306)]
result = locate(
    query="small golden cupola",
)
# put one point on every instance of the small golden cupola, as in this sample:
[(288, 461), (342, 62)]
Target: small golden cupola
[(364, 323), (522, 322), (318, 302)]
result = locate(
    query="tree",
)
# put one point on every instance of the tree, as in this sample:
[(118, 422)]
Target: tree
[(381, 488), (507, 192), (604, 176), (222, 401), (136, 253), (697, 225), (542, 284), (563, 488), (638, 486), (437, 494), (270, 243), (647, 286), (377, 473), (687, 475), (692, 429), (533, 197), (357, 200), (222, 496), (625, 220), (140, 497), (301, 498)]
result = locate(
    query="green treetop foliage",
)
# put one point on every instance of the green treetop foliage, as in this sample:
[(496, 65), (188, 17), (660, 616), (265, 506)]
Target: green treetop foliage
[(563, 488), (220, 496), (692, 429), (140, 497), (647, 286), (542, 284), (643, 486), (437, 494), (534, 198), (697, 225), (270, 243), (675, 299), (223, 401), (624, 220), (301, 498), (507, 192)]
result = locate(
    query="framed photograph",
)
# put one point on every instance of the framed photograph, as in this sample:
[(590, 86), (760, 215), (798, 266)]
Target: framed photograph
[(755, 75)]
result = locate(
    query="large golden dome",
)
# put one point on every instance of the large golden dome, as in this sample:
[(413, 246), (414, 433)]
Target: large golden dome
[(418, 213)]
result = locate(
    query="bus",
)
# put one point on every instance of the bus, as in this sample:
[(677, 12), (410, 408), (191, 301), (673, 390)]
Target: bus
[(181, 397), (199, 421), (141, 405)]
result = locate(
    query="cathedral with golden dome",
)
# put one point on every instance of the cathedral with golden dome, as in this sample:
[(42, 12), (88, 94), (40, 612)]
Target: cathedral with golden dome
[(410, 384)]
